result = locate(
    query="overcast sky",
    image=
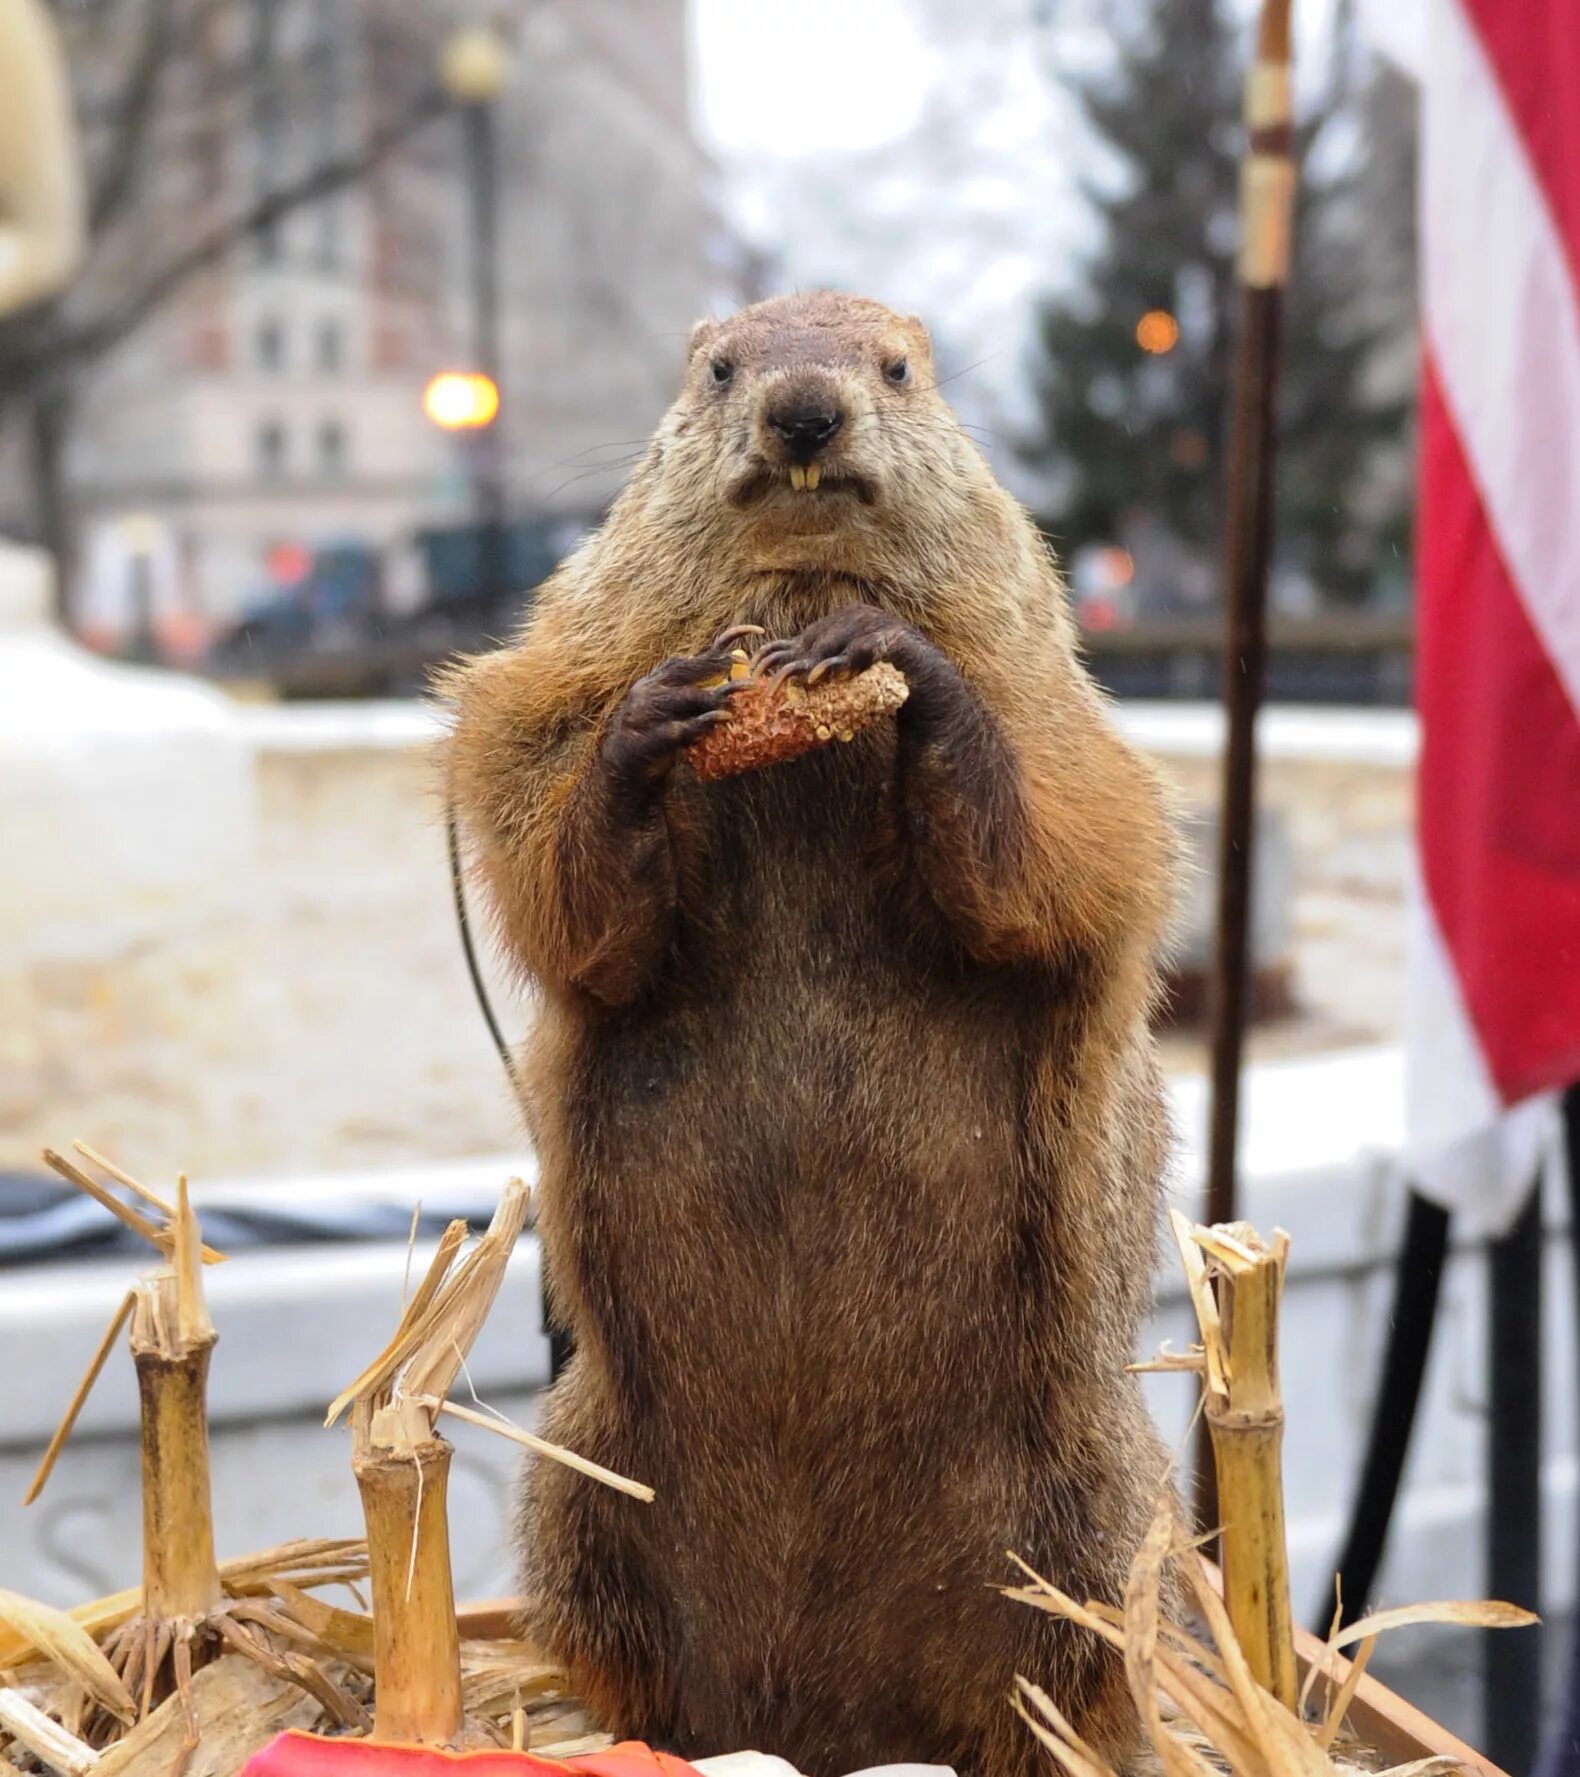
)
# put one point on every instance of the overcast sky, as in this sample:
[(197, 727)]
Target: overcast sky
[(769, 81), (783, 78)]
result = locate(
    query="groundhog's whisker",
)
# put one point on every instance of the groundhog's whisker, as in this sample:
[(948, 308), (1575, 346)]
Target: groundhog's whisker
[(964, 370), (570, 481), (587, 460)]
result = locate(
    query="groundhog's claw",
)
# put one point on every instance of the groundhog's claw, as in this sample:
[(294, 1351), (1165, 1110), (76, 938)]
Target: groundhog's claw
[(660, 716), (783, 660), (847, 643), (722, 641), (770, 658)]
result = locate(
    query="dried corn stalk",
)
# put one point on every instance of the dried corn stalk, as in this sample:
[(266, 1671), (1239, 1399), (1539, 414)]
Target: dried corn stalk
[(247, 1578), (42, 1737), (1236, 1283), (172, 1339), (1199, 1694), (238, 1707), (115, 1662), (431, 1689), (772, 721), (1226, 1693)]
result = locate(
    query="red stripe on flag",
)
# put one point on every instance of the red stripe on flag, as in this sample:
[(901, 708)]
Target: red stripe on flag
[(1499, 782), (1534, 49)]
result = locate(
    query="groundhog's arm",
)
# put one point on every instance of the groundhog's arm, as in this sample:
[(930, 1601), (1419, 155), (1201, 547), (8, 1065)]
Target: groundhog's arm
[(563, 803), (1039, 832), (1034, 827)]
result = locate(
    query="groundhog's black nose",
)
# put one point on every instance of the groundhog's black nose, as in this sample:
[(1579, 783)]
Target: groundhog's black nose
[(805, 427)]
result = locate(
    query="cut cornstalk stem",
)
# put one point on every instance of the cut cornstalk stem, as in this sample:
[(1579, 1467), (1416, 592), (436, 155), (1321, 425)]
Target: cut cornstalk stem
[(416, 1642), (1244, 1280), (180, 1575), (402, 1468), (138, 1189)]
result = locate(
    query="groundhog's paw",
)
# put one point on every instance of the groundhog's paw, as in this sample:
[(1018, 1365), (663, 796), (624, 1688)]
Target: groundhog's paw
[(661, 715), (846, 642)]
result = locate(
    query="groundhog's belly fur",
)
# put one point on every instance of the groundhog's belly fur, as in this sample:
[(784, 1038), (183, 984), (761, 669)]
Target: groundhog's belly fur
[(846, 1127)]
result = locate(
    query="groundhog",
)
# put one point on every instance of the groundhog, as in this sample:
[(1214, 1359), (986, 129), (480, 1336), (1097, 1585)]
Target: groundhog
[(848, 1119)]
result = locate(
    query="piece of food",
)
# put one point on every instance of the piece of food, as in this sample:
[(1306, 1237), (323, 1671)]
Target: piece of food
[(770, 723)]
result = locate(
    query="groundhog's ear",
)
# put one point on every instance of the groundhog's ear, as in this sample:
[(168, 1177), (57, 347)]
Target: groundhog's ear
[(703, 334), (918, 328)]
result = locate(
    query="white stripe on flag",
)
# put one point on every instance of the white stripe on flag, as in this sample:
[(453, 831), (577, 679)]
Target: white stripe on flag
[(1465, 1151), (1504, 322)]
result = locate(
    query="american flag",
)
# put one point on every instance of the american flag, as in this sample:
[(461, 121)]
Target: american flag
[(1495, 977)]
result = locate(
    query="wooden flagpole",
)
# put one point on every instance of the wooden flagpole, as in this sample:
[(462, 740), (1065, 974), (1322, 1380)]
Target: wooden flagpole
[(1267, 194)]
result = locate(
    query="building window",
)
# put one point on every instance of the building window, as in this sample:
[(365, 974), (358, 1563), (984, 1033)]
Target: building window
[(331, 346), (270, 446), (332, 447), (270, 345)]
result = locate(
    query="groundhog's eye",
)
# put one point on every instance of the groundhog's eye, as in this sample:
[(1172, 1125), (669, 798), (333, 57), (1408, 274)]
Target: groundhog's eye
[(723, 370), (898, 372)]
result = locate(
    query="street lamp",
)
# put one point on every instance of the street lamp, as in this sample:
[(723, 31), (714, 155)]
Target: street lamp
[(474, 65), (459, 400)]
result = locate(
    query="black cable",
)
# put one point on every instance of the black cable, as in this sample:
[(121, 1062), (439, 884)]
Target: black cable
[(464, 921), (1418, 1276), (560, 1346)]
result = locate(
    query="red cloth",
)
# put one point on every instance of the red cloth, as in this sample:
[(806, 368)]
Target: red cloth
[(294, 1754)]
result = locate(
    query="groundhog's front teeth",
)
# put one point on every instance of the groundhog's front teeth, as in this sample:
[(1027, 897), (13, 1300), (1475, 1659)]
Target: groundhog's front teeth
[(798, 478)]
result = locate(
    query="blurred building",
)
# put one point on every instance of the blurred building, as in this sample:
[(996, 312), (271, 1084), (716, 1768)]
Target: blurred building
[(274, 410)]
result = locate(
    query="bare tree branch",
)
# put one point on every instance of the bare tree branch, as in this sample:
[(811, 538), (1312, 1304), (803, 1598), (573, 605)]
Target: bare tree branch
[(92, 338), (123, 160)]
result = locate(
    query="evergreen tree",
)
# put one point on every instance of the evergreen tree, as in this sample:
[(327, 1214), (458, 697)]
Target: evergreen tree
[(1134, 439), (1345, 466)]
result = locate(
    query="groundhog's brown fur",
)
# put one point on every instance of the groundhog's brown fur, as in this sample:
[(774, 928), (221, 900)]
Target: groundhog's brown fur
[(848, 1119)]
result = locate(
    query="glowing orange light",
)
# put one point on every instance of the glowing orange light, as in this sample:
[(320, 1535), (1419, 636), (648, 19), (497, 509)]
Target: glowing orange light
[(459, 398), (1157, 331), (1119, 569)]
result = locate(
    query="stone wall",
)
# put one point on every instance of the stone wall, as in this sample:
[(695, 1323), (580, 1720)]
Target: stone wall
[(1340, 784), (318, 1014)]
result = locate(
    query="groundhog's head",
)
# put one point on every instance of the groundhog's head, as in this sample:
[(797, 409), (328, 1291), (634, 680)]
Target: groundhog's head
[(810, 433)]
